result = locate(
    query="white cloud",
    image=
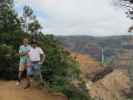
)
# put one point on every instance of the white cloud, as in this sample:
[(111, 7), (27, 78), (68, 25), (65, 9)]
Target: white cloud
[(91, 17)]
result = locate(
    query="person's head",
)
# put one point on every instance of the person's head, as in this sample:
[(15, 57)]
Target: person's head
[(25, 41), (34, 43)]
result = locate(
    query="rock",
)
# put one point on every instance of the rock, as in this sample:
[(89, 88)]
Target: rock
[(111, 86), (99, 74)]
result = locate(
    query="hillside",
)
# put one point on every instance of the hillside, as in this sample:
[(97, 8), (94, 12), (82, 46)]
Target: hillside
[(88, 65), (111, 86), (92, 45)]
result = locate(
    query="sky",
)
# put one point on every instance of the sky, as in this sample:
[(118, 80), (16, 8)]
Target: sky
[(78, 17)]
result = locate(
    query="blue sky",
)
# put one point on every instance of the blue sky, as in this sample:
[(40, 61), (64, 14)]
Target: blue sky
[(79, 17)]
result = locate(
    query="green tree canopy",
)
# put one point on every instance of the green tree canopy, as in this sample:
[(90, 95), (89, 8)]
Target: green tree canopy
[(29, 22), (9, 22)]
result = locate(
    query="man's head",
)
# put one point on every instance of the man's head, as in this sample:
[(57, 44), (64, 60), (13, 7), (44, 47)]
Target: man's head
[(25, 41), (34, 43)]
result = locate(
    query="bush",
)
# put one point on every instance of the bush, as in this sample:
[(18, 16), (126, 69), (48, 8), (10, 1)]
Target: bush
[(8, 61), (76, 93)]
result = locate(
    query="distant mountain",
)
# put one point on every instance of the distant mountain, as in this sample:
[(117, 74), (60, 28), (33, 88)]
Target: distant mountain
[(93, 45)]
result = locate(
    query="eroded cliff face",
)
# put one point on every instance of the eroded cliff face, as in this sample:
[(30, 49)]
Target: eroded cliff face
[(111, 87), (88, 65)]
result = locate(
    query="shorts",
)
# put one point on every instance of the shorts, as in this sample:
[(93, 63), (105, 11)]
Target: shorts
[(33, 69), (24, 64), (21, 67)]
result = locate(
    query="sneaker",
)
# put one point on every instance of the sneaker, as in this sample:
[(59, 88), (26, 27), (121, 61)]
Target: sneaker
[(17, 83), (31, 80), (27, 86)]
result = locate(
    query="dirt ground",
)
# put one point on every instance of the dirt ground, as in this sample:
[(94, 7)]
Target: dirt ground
[(9, 91)]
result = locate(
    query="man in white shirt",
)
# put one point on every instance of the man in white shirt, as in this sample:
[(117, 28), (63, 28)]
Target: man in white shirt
[(37, 57)]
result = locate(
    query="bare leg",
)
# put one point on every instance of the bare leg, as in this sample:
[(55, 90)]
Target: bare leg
[(28, 79), (19, 77)]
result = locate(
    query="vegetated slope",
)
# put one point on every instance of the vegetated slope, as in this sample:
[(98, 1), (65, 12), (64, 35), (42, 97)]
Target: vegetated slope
[(9, 91)]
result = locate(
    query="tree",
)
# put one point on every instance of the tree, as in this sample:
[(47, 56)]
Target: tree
[(127, 5), (27, 14), (34, 28), (9, 22), (29, 22)]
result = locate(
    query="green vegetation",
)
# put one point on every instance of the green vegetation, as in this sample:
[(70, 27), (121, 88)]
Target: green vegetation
[(59, 69)]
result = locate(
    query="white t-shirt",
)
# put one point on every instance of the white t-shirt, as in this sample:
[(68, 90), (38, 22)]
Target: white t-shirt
[(35, 54)]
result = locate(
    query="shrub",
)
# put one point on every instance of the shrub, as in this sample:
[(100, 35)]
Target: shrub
[(8, 61)]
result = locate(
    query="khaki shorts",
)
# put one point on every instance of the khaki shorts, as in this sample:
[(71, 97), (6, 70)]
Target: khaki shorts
[(22, 67)]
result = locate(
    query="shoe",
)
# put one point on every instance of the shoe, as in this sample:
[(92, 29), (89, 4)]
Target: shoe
[(31, 80), (27, 86), (17, 83)]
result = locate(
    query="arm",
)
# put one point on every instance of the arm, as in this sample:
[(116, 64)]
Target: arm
[(42, 58), (21, 53)]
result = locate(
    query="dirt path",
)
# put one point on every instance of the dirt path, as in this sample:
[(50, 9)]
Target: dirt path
[(9, 91)]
